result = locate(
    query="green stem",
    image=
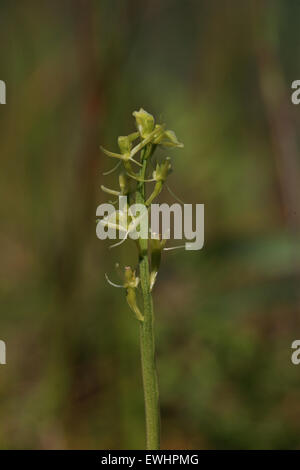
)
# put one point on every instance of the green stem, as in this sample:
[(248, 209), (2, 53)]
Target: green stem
[(150, 383)]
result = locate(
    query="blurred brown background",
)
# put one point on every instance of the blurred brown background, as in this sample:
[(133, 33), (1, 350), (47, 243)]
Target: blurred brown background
[(219, 74)]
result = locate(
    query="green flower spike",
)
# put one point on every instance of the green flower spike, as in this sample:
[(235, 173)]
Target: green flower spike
[(149, 135), (130, 284)]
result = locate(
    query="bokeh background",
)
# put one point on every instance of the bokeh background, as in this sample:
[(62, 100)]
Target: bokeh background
[(219, 74)]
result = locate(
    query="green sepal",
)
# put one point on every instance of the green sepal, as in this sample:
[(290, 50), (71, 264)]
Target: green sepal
[(144, 122)]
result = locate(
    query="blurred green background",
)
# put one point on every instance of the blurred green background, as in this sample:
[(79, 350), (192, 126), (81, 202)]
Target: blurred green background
[(219, 74)]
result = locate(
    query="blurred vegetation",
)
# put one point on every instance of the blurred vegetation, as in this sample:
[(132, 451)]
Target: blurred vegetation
[(219, 73)]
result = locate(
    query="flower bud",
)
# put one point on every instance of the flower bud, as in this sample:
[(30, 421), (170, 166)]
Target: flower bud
[(123, 182)]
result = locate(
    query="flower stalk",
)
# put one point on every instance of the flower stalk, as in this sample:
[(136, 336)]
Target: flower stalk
[(151, 135)]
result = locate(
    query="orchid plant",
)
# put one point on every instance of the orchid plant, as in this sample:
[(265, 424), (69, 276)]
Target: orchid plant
[(142, 143)]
